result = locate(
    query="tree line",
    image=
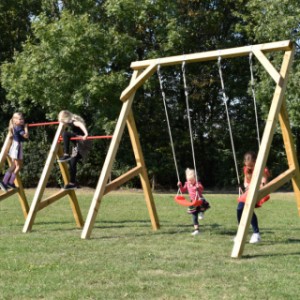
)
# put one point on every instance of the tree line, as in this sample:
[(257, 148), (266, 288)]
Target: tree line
[(76, 55)]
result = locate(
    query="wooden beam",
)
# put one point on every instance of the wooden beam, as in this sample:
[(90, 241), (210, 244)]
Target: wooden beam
[(290, 152), (52, 199), (212, 55), (135, 84), (276, 183), (7, 194), (138, 153), (4, 150), (263, 153), (107, 167), (122, 179), (43, 180), (267, 65)]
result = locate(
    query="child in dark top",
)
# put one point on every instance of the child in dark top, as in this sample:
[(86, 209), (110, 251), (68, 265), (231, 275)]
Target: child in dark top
[(78, 129), (249, 163), (195, 190), (19, 133)]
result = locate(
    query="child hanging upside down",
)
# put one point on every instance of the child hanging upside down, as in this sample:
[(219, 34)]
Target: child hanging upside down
[(249, 163), (195, 190)]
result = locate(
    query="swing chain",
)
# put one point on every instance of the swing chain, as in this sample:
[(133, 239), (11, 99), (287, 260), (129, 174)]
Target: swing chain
[(189, 117), (254, 97), (225, 99), (168, 121)]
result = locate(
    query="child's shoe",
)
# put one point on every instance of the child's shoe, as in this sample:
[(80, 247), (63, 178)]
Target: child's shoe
[(3, 186), (64, 158), (255, 238), (70, 186), (201, 215), (11, 186), (196, 232)]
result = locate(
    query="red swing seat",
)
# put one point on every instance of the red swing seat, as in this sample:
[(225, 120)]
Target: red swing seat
[(184, 202)]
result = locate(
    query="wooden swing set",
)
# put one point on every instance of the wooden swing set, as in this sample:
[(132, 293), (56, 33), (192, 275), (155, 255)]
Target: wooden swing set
[(39, 202), (142, 70)]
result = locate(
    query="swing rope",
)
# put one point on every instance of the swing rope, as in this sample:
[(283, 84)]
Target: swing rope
[(180, 199), (168, 121), (225, 99), (253, 95), (186, 93)]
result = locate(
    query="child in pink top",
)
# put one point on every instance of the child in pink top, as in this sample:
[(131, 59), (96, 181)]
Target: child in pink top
[(195, 190)]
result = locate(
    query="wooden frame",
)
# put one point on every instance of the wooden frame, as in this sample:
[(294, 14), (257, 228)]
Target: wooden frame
[(38, 203), (143, 70), (20, 190)]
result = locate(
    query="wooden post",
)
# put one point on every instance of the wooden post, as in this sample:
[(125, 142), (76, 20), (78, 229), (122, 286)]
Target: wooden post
[(20, 189), (106, 170), (262, 155), (143, 175), (290, 151), (35, 205)]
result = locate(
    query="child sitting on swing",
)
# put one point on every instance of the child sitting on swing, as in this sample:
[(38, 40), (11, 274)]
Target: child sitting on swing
[(195, 190), (249, 163)]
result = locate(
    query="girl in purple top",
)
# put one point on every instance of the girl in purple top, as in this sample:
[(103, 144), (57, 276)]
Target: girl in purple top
[(18, 132), (195, 190)]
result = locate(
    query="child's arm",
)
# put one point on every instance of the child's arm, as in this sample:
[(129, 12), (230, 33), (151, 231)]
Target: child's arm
[(83, 128), (182, 188), (26, 134)]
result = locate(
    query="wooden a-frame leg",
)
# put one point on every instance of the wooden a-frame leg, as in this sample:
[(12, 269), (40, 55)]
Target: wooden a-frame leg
[(143, 175), (43, 180), (290, 151), (72, 195), (107, 167), (263, 153)]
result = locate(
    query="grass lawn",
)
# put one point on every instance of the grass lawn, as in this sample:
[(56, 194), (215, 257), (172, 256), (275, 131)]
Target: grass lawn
[(125, 259)]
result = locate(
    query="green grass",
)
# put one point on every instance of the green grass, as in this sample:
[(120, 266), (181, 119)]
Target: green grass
[(125, 259)]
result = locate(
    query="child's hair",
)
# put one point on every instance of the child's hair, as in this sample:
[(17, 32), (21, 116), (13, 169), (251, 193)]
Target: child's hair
[(190, 173), (250, 156), (67, 117), (12, 122)]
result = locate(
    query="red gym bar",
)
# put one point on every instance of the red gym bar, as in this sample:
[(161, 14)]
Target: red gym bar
[(43, 124), (92, 137)]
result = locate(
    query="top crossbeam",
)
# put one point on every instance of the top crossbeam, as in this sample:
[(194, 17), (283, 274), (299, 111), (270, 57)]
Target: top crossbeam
[(212, 55)]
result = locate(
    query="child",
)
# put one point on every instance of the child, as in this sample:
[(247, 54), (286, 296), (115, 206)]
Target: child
[(249, 163), (78, 128), (195, 190), (19, 132)]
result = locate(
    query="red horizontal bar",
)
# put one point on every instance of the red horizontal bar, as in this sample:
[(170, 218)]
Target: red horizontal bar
[(43, 124), (92, 137)]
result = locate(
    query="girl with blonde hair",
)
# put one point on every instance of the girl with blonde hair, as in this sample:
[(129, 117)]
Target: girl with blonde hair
[(195, 190), (77, 129), (19, 133)]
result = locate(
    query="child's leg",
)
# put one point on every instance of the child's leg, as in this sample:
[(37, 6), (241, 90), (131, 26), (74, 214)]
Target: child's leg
[(195, 220), (73, 167), (9, 172), (66, 139), (254, 221)]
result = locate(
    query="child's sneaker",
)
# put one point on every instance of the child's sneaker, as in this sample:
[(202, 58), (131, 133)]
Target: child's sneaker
[(196, 232), (201, 215), (3, 186), (11, 186), (255, 238), (64, 158), (70, 186)]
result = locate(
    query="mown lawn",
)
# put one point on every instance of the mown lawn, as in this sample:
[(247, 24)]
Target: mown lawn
[(125, 259)]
